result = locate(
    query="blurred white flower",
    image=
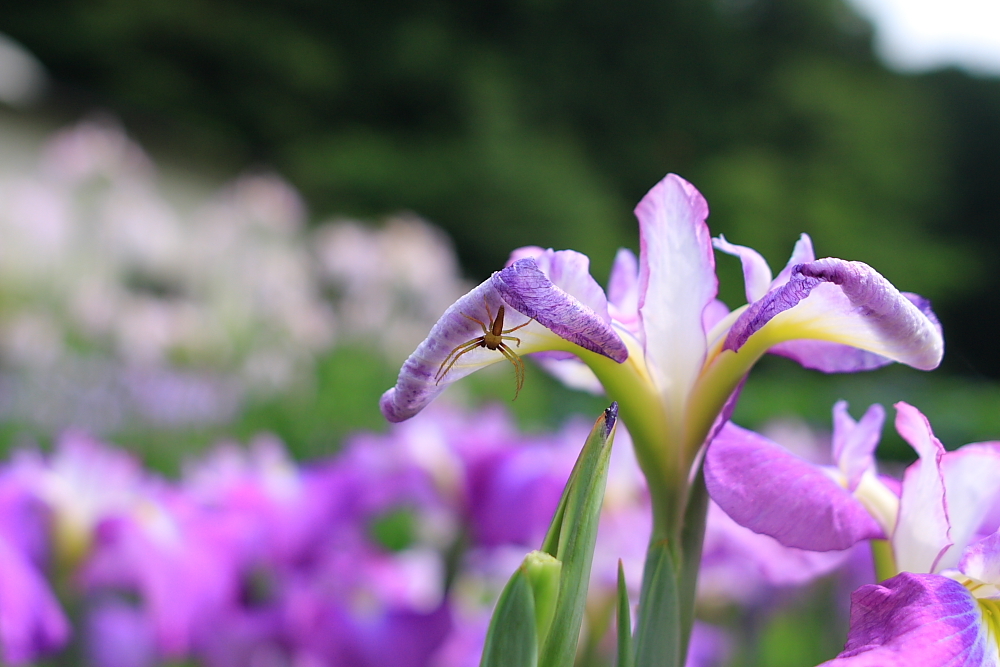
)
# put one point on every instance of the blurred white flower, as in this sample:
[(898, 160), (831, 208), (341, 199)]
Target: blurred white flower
[(97, 263), (390, 284), (102, 259)]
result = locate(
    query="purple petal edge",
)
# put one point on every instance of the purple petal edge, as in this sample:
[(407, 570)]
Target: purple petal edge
[(899, 316), (915, 619), (529, 291), (769, 490), (524, 287)]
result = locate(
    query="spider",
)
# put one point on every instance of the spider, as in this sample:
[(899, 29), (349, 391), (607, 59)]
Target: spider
[(493, 338)]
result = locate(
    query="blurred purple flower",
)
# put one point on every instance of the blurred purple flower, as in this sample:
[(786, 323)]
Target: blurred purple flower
[(32, 622), (119, 635)]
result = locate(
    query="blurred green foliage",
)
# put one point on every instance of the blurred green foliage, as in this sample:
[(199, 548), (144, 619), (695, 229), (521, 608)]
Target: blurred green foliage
[(543, 122)]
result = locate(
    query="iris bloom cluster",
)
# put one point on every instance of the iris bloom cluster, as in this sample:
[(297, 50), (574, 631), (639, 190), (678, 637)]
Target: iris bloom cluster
[(668, 352), (934, 533), (397, 546)]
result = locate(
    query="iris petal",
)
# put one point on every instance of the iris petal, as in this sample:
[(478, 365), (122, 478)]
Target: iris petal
[(844, 305), (769, 490), (560, 318), (922, 531), (916, 619), (676, 283)]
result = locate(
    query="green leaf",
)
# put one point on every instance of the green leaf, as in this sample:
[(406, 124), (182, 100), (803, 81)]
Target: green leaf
[(512, 640), (573, 534), (657, 637), (692, 539), (624, 621)]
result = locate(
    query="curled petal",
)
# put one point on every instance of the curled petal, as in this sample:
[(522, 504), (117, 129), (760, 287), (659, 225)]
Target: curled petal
[(756, 272), (528, 290), (922, 531), (527, 293), (676, 283), (854, 442), (916, 619), (568, 270), (845, 303), (769, 490)]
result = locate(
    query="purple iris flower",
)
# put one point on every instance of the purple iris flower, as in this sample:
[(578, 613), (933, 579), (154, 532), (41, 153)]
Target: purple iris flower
[(940, 524), (659, 341)]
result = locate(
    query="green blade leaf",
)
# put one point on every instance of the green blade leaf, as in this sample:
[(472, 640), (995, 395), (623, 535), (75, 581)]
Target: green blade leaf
[(692, 540), (657, 637), (512, 638), (624, 621), (574, 538)]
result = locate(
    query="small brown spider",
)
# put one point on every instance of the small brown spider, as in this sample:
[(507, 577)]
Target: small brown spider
[(493, 338)]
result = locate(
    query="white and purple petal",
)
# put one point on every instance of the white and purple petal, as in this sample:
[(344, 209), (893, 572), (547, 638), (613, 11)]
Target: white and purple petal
[(527, 293), (922, 532), (981, 560), (676, 283), (769, 490), (802, 253), (854, 442), (845, 303), (917, 619), (971, 476), (623, 292), (756, 272)]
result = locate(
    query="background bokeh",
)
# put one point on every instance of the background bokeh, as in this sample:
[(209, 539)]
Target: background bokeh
[(544, 121), (255, 134)]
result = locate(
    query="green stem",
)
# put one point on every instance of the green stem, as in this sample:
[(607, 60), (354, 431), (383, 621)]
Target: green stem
[(641, 409), (885, 561)]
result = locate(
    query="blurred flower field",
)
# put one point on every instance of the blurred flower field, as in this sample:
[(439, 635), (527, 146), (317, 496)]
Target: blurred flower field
[(196, 471)]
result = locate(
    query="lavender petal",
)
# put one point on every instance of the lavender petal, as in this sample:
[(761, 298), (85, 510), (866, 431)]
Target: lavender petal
[(854, 443), (769, 490)]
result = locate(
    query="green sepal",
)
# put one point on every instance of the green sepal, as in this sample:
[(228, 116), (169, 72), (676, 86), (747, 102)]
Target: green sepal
[(624, 621), (572, 536), (512, 640), (657, 637)]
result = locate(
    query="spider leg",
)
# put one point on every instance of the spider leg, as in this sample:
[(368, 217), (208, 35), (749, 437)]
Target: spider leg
[(479, 322), (518, 366), (489, 315), (512, 338), (507, 331), (453, 356)]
